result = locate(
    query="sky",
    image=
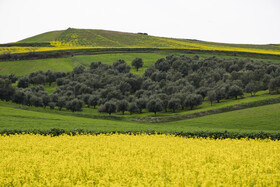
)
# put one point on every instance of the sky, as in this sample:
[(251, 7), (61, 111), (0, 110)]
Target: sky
[(226, 21)]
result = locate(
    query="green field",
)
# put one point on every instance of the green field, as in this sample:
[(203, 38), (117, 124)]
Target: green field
[(25, 67), (263, 118)]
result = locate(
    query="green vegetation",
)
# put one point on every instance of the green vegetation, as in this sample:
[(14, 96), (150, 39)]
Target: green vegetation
[(25, 67), (44, 37), (263, 118), (104, 38)]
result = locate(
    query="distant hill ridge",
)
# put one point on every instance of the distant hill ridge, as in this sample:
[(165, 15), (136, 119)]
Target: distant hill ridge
[(105, 38)]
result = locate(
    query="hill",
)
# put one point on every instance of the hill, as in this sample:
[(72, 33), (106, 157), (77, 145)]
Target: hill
[(103, 38)]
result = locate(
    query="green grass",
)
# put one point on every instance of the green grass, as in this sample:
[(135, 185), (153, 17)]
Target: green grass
[(44, 37), (264, 118), (25, 67)]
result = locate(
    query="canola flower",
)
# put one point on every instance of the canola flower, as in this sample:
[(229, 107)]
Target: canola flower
[(140, 160)]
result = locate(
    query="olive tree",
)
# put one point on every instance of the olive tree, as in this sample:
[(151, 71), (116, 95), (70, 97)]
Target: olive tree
[(154, 105), (137, 63)]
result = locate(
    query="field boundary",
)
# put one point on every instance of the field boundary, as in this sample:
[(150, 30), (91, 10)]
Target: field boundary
[(198, 134)]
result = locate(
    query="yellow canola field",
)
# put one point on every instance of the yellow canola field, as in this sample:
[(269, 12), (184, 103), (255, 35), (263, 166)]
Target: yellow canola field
[(141, 160)]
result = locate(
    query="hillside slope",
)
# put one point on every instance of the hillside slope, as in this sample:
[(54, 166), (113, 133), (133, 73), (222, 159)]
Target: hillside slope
[(103, 38), (45, 37)]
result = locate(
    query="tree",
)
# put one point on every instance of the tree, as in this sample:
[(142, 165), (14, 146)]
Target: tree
[(164, 100), (50, 77), (274, 84), (6, 89), (122, 106), (124, 87), (121, 66), (23, 82), (235, 91), (174, 104), (19, 97), (79, 69), (220, 93), (51, 105), (61, 102), (182, 98), (75, 105), (12, 78), (141, 104), (137, 63), (93, 100), (132, 108), (211, 96), (36, 101), (252, 87), (85, 98), (46, 100), (39, 79), (162, 65), (202, 91), (193, 100), (110, 107), (154, 105)]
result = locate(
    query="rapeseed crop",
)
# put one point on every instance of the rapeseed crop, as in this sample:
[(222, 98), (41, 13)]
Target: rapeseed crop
[(137, 160)]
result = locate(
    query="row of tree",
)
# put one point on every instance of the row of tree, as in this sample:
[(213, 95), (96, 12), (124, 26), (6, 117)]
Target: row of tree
[(172, 83)]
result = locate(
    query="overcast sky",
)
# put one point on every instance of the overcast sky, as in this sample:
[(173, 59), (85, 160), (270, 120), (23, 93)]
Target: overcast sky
[(230, 21)]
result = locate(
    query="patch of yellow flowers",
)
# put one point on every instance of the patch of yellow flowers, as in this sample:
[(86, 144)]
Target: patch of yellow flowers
[(140, 160)]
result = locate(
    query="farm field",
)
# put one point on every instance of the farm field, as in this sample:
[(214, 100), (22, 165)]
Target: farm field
[(25, 67), (263, 118), (125, 160)]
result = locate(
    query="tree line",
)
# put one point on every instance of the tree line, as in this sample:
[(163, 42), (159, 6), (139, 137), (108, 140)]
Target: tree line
[(171, 84)]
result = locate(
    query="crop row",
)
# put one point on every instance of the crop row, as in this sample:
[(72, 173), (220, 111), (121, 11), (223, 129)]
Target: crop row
[(200, 134)]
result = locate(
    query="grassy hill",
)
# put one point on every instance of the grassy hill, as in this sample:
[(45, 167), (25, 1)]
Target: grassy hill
[(81, 38)]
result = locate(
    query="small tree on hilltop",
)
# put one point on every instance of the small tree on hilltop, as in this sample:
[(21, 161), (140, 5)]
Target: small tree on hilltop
[(137, 63)]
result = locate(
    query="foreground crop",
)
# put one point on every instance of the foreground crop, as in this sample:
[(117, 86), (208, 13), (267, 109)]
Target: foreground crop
[(137, 160)]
